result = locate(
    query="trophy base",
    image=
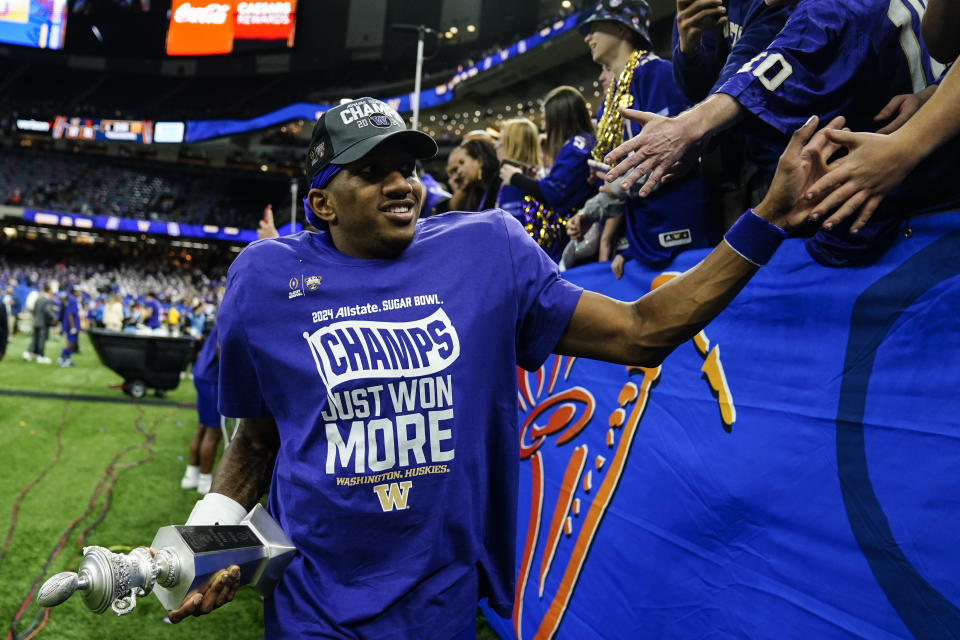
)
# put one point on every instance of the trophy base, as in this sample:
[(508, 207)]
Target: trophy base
[(257, 545)]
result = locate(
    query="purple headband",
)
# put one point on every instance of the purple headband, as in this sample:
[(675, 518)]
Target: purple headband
[(319, 181)]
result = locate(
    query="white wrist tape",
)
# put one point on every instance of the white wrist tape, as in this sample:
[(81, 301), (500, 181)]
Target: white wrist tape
[(216, 508)]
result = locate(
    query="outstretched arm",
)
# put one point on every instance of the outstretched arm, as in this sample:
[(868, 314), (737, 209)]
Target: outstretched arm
[(664, 142), (645, 331)]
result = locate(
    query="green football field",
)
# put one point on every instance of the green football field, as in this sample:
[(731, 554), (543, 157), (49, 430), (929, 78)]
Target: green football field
[(83, 464), (86, 471)]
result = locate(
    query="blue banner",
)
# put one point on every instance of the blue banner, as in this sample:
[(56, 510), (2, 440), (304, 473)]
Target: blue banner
[(793, 472), (152, 227), (205, 129)]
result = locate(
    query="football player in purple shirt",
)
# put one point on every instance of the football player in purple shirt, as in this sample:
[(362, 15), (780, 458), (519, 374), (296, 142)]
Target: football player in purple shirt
[(372, 366)]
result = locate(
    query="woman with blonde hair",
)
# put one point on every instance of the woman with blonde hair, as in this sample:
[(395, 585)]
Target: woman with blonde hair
[(518, 148), (566, 187)]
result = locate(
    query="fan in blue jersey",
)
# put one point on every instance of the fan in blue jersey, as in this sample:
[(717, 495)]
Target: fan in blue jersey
[(830, 58), (677, 218), (567, 185), (373, 369), (858, 182), (713, 39)]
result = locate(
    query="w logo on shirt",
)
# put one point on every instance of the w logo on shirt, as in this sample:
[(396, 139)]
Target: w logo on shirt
[(393, 496)]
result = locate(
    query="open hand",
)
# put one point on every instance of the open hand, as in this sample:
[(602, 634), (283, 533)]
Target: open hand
[(661, 144), (788, 203), (860, 180)]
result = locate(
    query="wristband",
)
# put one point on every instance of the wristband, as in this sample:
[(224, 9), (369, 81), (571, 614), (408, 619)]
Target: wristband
[(755, 239), (216, 508)]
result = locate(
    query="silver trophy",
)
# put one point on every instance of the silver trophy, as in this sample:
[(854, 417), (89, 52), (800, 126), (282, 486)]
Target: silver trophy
[(185, 558)]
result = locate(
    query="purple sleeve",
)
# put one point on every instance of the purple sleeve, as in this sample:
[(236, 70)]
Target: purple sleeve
[(569, 172), (545, 302), (240, 394), (760, 28), (804, 70)]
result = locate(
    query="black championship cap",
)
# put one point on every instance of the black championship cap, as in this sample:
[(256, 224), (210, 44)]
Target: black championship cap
[(349, 131)]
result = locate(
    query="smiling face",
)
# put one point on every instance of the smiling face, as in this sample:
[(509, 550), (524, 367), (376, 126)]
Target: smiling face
[(462, 169), (605, 39), (372, 205)]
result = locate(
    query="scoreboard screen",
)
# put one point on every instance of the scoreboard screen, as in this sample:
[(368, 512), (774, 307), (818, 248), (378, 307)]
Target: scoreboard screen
[(33, 23), (91, 129), (170, 132), (209, 27)]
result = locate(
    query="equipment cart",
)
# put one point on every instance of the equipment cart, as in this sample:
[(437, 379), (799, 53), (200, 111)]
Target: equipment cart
[(144, 361)]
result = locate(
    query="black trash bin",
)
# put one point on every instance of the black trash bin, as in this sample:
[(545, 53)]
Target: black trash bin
[(143, 361)]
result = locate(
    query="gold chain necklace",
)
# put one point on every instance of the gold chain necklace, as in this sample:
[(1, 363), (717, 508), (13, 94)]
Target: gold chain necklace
[(610, 127)]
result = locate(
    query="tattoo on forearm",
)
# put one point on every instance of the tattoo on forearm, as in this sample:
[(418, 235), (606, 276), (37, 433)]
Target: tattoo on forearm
[(247, 464)]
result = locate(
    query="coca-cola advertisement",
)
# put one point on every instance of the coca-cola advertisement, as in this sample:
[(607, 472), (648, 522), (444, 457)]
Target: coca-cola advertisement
[(206, 27)]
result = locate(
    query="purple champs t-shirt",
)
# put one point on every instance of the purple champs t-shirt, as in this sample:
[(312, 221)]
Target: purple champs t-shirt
[(393, 385)]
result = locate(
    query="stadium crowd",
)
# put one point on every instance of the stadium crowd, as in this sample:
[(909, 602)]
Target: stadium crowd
[(707, 127), (160, 300), (121, 188), (674, 149), (705, 131)]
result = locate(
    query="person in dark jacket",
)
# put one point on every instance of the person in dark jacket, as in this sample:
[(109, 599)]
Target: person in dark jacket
[(44, 317)]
